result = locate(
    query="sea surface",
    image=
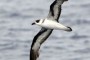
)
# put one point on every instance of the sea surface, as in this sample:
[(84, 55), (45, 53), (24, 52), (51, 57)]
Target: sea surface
[(16, 31)]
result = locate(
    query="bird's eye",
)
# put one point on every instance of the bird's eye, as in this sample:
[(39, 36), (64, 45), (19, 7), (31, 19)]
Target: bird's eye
[(37, 21)]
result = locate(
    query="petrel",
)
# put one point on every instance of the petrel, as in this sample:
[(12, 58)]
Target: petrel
[(47, 24)]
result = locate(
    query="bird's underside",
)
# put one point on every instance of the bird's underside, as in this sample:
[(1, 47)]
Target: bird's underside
[(54, 14)]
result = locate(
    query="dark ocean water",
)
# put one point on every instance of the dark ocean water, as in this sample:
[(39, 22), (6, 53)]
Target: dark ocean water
[(16, 31)]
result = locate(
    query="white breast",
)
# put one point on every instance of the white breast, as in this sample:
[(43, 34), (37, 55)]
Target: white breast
[(53, 25)]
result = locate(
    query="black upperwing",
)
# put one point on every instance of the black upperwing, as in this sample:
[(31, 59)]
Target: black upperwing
[(55, 10)]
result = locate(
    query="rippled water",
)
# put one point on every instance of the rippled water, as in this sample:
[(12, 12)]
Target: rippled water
[(16, 32)]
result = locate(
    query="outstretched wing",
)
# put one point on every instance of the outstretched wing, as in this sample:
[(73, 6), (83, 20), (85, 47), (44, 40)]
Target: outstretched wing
[(55, 10), (54, 13), (37, 41)]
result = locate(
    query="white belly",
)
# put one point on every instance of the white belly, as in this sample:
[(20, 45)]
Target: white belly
[(53, 25)]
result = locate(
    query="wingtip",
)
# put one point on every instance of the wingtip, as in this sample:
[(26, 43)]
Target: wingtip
[(32, 55), (65, 0)]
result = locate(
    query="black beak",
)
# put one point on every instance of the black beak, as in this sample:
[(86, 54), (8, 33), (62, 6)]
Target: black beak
[(33, 23)]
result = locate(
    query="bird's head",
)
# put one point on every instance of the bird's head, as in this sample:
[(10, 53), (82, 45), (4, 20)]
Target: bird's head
[(38, 22)]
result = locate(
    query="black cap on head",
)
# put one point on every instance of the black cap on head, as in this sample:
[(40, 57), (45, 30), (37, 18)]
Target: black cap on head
[(37, 21)]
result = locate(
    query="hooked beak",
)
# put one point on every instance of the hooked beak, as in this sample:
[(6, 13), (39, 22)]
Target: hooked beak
[(33, 23)]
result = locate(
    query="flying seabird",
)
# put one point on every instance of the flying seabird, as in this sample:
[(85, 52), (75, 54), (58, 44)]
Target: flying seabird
[(47, 24)]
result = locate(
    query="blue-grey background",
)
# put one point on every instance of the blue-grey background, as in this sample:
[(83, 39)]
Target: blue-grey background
[(16, 31)]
